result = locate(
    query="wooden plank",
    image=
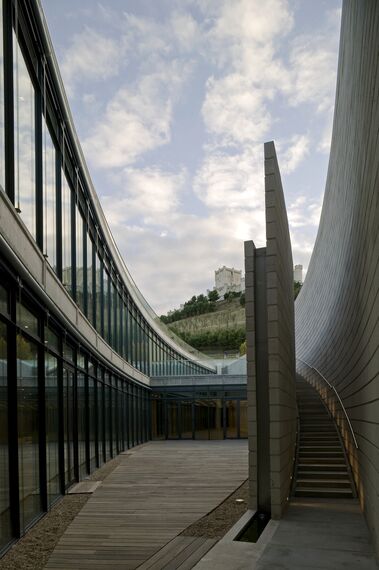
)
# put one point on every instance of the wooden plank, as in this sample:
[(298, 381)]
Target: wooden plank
[(150, 498)]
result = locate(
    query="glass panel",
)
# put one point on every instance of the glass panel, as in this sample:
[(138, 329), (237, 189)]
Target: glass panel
[(52, 440), (49, 197), (107, 417), (243, 418), (51, 339), (92, 422), (106, 304), (2, 159), (114, 421), (68, 424), (5, 520), (100, 421), (172, 410), (201, 420), (28, 430), (3, 300), (81, 399), (231, 418), (89, 279), (24, 159), (66, 235), (79, 259), (26, 320), (186, 419), (216, 427), (68, 352), (98, 293), (81, 359), (112, 304)]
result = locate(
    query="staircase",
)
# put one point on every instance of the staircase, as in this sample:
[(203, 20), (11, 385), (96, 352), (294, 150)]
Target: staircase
[(321, 469)]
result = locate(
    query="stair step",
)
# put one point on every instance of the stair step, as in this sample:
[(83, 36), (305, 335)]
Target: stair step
[(321, 474), (322, 460), (321, 483), (324, 493), (313, 466), (319, 447)]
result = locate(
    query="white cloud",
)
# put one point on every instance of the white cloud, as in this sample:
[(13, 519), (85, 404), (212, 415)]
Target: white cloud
[(232, 181), (137, 119), (91, 56), (234, 110), (296, 151), (304, 212), (149, 195)]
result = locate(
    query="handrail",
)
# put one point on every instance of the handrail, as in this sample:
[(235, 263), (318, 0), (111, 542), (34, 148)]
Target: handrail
[(338, 397)]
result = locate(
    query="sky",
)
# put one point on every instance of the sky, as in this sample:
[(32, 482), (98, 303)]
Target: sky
[(172, 101)]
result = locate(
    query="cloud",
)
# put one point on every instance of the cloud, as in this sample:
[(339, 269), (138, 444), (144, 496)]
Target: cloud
[(137, 119), (297, 149), (227, 181), (234, 110), (91, 56), (149, 195), (304, 212), (314, 66)]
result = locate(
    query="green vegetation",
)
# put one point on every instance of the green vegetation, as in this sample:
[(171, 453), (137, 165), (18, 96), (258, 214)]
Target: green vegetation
[(195, 306), (225, 339), (296, 288)]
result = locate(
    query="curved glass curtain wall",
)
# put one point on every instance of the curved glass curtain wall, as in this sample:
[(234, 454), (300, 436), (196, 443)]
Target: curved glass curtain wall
[(54, 196), (63, 413)]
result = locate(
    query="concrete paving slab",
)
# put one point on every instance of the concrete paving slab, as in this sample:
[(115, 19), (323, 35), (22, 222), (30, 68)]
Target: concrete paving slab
[(313, 535)]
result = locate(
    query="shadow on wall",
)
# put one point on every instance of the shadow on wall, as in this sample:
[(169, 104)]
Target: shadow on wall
[(337, 311)]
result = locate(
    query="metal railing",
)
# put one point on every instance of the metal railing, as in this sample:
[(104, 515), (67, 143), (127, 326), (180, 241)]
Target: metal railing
[(337, 396)]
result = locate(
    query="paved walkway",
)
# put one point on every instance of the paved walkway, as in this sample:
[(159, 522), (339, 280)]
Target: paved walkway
[(153, 495), (314, 534)]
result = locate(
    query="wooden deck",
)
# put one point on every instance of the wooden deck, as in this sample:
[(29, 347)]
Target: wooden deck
[(153, 495)]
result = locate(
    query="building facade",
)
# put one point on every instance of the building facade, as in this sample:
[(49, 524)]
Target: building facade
[(228, 279), (298, 273), (78, 342)]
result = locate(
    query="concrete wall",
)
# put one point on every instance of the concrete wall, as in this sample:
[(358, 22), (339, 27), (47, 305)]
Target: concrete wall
[(271, 352), (281, 336), (337, 311)]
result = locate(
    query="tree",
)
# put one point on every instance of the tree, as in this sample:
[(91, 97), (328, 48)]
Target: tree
[(242, 300), (213, 296), (296, 288)]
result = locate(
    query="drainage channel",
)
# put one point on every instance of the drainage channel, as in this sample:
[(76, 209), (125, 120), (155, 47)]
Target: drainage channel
[(254, 528)]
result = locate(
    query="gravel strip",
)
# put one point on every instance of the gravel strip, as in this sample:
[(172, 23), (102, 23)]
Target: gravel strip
[(217, 523), (33, 550)]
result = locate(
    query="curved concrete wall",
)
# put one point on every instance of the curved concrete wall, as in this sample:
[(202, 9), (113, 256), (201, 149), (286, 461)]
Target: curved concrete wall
[(337, 311)]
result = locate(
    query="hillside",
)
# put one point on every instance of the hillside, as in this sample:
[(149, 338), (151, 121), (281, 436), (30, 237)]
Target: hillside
[(219, 331)]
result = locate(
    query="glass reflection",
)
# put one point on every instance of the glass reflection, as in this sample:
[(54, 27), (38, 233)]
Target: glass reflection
[(3, 300), (79, 259), (28, 430), (5, 520), (66, 235), (24, 159), (2, 158), (26, 320), (52, 429), (89, 279), (81, 422), (49, 197)]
